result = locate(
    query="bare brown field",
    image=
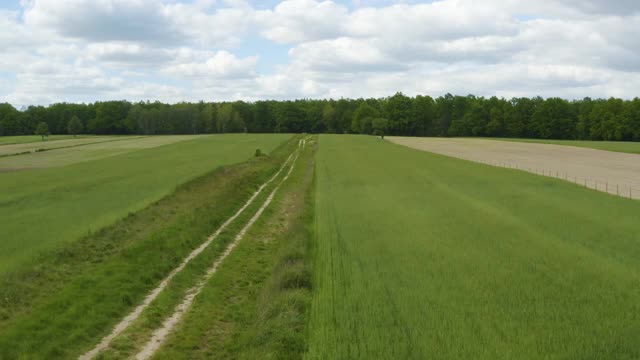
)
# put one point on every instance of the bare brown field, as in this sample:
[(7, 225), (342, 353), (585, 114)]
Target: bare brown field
[(612, 172)]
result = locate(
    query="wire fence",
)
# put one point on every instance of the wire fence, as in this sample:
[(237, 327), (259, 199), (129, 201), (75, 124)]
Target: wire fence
[(610, 187)]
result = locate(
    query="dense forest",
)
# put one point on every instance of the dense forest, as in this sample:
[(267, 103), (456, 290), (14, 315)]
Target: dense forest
[(553, 118)]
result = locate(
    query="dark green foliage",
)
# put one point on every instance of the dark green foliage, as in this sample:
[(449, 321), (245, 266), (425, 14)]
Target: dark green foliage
[(42, 130), (75, 126), (380, 126), (362, 119), (448, 115)]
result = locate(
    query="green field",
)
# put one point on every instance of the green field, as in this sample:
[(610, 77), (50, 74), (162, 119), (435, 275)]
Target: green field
[(68, 300), (369, 250), (22, 148), (618, 146), (75, 151), (423, 256), (42, 208), (23, 139)]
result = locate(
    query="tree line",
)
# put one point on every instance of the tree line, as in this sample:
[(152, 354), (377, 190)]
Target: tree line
[(449, 115)]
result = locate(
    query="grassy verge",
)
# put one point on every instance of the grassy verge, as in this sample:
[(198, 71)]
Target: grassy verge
[(72, 297), (425, 256), (256, 306), (617, 146)]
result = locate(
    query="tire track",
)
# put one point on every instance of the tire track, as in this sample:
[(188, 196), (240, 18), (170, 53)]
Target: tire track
[(127, 320), (160, 335)]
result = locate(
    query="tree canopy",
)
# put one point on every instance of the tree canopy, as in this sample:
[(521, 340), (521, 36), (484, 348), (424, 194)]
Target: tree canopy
[(448, 115), (42, 130), (74, 127)]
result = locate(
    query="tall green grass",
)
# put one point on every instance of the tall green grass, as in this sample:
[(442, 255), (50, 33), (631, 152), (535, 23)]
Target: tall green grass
[(45, 208), (70, 299), (424, 256), (256, 306)]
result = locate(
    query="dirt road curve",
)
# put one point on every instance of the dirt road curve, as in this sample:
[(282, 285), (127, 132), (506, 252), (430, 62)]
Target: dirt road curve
[(616, 173)]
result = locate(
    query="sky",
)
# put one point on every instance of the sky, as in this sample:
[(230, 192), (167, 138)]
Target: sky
[(217, 50)]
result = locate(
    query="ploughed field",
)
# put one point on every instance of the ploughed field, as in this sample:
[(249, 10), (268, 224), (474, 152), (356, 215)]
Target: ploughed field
[(612, 172)]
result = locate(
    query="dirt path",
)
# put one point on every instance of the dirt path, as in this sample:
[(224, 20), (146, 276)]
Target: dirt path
[(160, 334), (155, 292), (607, 171)]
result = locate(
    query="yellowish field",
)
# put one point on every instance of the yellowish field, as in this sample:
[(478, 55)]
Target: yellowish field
[(612, 172), (66, 152), (53, 144)]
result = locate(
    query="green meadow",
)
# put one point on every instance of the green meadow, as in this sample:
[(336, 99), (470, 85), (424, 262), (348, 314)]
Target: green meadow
[(44, 208), (40, 146), (369, 250), (23, 139), (74, 151), (424, 256)]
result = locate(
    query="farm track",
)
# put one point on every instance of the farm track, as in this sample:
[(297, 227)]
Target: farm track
[(160, 335), (612, 172), (135, 314)]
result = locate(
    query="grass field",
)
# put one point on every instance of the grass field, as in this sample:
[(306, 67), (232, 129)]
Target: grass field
[(86, 150), (618, 146), (369, 250), (74, 296), (256, 305), (43, 208), (23, 139), (424, 256), (25, 147)]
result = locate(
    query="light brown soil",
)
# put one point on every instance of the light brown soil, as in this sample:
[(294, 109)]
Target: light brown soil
[(612, 172)]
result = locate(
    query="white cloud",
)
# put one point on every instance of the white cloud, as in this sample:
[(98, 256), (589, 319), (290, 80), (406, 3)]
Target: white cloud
[(127, 54), (294, 21), (105, 20), (87, 50), (220, 65)]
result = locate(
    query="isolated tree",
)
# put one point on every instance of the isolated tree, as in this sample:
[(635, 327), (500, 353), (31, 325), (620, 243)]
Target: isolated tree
[(74, 127), (42, 130), (379, 126)]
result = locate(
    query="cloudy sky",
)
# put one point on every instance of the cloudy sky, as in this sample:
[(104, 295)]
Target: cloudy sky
[(170, 50)]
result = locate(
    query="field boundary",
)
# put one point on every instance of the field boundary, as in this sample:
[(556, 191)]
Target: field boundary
[(160, 335), (27, 152), (611, 188), (614, 173), (126, 321)]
